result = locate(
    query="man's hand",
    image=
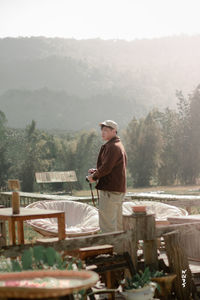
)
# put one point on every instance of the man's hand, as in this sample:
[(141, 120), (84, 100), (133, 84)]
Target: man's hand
[(90, 178), (91, 171)]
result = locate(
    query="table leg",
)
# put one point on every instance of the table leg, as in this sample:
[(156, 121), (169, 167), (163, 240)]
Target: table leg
[(61, 226), (2, 233), (20, 232), (12, 235)]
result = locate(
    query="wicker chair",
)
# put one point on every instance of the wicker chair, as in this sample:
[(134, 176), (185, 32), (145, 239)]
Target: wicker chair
[(80, 218)]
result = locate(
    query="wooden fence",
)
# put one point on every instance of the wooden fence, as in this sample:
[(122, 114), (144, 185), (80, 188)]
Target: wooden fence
[(185, 201), (28, 198)]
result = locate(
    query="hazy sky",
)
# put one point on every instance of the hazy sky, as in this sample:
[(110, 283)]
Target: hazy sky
[(106, 19)]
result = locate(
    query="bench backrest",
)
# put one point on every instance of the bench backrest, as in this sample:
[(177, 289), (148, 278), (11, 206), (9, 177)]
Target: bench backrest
[(50, 177)]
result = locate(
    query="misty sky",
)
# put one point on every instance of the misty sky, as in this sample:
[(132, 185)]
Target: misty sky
[(106, 19)]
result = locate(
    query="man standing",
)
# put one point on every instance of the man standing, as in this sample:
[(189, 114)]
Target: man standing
[(111, 178)]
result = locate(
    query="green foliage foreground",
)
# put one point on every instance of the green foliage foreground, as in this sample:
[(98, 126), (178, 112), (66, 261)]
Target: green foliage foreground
[(39, 258)]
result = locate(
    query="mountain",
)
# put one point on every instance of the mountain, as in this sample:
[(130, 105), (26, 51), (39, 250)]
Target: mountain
[(74, 84)]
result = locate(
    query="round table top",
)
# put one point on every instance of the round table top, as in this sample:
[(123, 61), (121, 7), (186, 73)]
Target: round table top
[(45, 283)]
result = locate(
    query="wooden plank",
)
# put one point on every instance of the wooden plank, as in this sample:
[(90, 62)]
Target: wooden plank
[(190, 235), (130, 245), (114, 238), (61, 226), (95, 250), (150, 254), (176, 200), (20, 232), (12, 234), (143, 227), (2, 233), (178, 264), (184, 219), (160, 230)]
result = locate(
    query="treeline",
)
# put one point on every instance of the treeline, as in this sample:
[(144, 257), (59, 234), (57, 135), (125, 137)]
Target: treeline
[(24, 152), (163, 148)]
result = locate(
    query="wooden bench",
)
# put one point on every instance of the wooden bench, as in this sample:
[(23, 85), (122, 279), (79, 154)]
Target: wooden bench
[(55, 177)]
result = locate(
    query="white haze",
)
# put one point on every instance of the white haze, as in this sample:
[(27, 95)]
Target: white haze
[(106, 19)]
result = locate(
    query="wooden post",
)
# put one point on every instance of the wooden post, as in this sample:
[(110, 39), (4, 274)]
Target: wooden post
[(143, 228), (14, 186), (150, 254), (130, 245), (15, 203), (178, 264)]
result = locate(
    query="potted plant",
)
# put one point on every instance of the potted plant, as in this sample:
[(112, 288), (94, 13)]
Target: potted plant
[(139, 287)]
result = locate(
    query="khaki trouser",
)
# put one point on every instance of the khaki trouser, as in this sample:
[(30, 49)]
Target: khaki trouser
[(110, 211)]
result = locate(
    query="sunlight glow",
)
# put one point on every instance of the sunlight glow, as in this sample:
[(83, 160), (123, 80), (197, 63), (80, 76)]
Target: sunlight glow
[(106, 19)]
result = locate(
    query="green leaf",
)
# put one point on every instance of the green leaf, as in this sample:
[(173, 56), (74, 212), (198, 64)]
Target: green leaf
[(38, 253), (27, 259), (50, 256), (15, 266)]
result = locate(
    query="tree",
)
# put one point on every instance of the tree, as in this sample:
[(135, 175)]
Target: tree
[(143, 145), (38, 156), (195, 133), (183, 146), (168, 170), (4, 164), (87, 150)]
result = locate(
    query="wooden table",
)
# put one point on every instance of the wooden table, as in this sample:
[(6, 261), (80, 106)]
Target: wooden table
[(30, 214)]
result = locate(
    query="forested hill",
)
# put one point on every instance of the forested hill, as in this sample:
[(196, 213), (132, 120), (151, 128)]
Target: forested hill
[(73, 84)]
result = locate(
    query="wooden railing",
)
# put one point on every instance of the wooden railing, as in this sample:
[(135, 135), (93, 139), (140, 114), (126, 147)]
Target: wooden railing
[(185, 201), (28, 198)]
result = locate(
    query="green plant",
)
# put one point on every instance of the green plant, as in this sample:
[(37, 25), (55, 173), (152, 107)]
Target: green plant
[(39, 258), (155, 274), (139, 280)]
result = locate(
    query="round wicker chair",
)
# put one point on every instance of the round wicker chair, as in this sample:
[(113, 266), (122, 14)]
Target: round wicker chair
[(80, 218), (161, 210)]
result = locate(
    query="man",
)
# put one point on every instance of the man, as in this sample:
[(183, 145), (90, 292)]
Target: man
[(111, 178)]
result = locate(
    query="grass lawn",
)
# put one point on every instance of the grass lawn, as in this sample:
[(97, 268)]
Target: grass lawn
[(181, 190)]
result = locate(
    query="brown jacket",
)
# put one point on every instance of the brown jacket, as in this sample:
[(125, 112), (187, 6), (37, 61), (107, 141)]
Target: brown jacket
[(111, 167)]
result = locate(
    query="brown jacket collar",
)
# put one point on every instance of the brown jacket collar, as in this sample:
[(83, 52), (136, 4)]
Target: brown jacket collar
[(114, 139)]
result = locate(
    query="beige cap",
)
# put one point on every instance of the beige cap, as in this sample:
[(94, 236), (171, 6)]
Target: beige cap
[(110, 123)]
